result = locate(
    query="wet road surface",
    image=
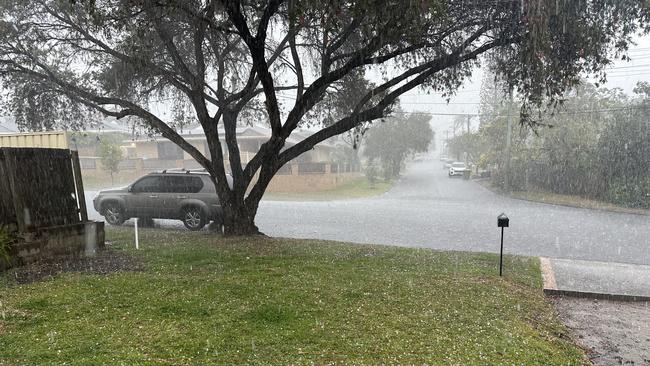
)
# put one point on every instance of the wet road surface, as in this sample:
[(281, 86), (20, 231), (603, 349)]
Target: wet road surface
[(428, 209)]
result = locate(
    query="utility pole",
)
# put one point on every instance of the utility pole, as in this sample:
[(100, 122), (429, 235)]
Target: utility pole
[(508, 138), (447, 144), (466, 157)]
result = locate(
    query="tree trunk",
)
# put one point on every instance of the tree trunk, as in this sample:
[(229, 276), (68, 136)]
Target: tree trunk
[(238, 219)]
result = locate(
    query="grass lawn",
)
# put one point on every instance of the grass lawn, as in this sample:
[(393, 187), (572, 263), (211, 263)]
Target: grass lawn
[(359, 188), (207, 300), (576, 201)]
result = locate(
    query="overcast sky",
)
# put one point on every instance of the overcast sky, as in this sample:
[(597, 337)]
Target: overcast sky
[(623, 74)]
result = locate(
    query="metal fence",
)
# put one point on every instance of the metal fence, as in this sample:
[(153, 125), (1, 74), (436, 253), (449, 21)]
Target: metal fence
[(58, 140), (40, 188), (128, 164), (284, 170), (155, 164), (312, 168), (88, 163), (345, 168)]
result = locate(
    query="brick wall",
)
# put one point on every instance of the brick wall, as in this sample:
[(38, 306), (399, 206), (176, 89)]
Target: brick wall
[(82, 239)]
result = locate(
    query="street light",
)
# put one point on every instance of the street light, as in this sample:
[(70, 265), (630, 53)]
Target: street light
[(502, 222)]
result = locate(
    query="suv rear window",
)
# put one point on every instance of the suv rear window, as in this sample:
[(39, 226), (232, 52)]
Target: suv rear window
[(148, 184), (183, 184)]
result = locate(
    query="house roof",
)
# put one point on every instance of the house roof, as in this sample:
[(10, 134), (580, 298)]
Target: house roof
[(257, 131), (108, 125), (8, 126), (244, 132)]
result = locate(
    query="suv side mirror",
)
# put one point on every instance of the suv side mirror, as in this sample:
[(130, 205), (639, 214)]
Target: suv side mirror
[(130, 189)]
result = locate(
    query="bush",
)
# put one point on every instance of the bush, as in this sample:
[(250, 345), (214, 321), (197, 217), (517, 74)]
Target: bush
[(6, 243), (630, 194), (387, 170), (372, 173)]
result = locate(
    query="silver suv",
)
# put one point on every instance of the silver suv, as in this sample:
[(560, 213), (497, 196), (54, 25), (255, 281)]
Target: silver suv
[(184, 195)]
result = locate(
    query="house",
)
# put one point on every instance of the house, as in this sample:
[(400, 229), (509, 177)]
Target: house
[(313, 170), (162, 152)]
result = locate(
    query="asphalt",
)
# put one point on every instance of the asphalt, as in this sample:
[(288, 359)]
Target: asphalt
[(428, 209)]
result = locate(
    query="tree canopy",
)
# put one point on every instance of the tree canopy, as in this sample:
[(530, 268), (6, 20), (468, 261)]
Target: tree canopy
[(110, 155), (335, 65), (392, 141), (596, 146)]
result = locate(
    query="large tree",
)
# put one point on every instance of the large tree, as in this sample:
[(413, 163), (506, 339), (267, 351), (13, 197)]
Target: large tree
[(232, 59), (397, 138)]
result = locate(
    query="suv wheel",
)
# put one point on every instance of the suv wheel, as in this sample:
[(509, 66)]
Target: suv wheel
[(193, 218), (114, 213)]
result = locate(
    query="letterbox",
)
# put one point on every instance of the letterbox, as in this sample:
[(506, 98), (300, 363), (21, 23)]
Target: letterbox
[(503, 220)]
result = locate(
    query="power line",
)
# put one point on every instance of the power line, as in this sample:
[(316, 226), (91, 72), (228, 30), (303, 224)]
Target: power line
[(442, 103), (627, 67), (628, 75), (433, 93), (639, 49), (559, 112)]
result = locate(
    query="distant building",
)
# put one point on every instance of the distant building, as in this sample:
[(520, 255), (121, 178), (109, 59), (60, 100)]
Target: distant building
[(249, 138), (316, 169)]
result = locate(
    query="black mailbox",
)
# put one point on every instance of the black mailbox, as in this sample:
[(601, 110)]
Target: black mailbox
[(503, 221)]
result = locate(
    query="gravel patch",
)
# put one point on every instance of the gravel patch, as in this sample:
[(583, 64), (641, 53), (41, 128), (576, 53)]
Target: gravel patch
[(613, 332)]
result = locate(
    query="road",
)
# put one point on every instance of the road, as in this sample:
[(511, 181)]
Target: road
[(428, 209)]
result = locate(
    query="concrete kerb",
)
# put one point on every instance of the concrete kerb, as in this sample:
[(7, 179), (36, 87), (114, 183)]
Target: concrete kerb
[(551, 289), (596, 295)]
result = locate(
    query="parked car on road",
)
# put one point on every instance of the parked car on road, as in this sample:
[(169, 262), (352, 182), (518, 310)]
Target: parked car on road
[(457, 168), (186, 195)]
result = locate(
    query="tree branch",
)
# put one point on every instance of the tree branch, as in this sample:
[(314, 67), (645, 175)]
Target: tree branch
[(375, 112), (294, 52), (168, 41), (129, 108), (256, 47)]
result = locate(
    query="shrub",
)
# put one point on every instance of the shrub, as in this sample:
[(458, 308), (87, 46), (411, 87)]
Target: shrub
[(631, 194), (372, 173), (6, 242)]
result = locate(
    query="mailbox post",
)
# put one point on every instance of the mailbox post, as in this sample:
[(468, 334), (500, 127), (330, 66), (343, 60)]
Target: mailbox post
[(502, 221)]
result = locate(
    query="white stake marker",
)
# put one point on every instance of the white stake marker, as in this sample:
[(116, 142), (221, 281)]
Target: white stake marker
[(137, 243)]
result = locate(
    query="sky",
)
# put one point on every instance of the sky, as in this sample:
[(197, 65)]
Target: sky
[(622, 74)]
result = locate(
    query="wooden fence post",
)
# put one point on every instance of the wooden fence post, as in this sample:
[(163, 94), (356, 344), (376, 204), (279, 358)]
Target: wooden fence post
[(79, 186)]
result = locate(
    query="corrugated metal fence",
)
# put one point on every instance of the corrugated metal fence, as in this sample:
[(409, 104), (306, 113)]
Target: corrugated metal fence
[(54, 140), (40, 188)]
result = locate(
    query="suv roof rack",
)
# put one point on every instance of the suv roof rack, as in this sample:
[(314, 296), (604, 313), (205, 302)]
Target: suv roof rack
[(183, 170)]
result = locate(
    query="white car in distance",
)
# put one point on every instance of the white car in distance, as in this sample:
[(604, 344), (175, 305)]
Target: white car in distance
[(457, 168)]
